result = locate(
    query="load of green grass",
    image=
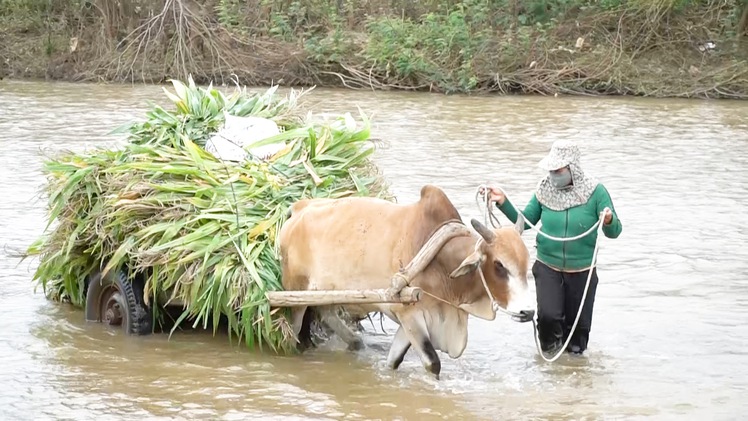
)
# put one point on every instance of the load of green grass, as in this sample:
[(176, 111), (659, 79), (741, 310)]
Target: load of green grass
[(199, 229)]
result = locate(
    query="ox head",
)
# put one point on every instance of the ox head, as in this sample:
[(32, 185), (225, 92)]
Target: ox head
[(504, 259)]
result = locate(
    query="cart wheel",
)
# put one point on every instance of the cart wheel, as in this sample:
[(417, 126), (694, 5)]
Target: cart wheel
[(115, 300)]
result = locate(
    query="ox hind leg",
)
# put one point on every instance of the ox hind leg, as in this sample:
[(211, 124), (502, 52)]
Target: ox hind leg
[(333, 321), (301, 318), (304, 336), (413, 330)]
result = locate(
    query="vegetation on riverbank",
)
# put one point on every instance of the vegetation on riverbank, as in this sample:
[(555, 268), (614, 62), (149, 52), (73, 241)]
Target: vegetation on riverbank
[(190, 227), (636, 47)]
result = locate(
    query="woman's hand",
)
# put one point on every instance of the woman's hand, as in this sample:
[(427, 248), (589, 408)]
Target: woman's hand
[(494, 194), (608, 216)]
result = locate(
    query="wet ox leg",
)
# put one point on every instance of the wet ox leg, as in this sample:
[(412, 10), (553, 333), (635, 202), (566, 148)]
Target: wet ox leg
[(305, 336), (331, 319), (301, 319), (398, 349), (414, 327)]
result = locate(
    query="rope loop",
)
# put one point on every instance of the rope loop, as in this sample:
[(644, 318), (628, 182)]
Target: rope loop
[(488, 210)]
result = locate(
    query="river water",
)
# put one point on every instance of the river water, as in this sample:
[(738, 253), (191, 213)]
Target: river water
[(670, 330)]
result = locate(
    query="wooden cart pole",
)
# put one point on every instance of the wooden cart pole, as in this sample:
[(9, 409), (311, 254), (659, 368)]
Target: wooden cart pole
[(321, 298)]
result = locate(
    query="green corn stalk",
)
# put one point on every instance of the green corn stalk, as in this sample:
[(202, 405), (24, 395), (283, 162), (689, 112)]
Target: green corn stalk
[(198, 229)]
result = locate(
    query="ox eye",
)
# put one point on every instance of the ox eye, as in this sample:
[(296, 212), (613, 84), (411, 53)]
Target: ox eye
[(500, 269)]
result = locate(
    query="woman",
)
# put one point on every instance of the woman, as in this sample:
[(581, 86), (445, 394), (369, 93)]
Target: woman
[(568, 203)]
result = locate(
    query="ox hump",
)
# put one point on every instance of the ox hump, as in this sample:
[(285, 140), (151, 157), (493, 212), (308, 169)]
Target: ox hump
[(430, 192), (436, 205)]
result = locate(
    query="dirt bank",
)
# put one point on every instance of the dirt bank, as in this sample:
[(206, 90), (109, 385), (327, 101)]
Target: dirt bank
[(662, 48)]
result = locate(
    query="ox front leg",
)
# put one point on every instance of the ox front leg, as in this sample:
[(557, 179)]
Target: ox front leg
[(415, 331), (331, 319), (400, 347)]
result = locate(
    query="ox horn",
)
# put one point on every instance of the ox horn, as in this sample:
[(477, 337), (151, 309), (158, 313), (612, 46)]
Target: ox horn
[(484, 232)]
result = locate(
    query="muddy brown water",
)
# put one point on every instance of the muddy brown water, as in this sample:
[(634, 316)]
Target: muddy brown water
[(669, 337)]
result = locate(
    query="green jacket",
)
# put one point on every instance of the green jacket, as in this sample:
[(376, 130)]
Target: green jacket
[(567, 255)]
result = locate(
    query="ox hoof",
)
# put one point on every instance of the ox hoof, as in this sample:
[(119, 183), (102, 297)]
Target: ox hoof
[(356, 345), (302, 347), (434, 368)]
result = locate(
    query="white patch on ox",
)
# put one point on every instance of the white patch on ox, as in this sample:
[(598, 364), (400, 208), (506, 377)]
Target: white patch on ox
[(447, 329), (520, 297)]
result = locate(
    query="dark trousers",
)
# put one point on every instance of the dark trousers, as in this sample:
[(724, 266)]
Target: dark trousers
[(559, 295)]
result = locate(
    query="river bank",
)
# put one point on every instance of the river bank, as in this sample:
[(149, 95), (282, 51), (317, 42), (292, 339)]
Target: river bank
[(662, 48)]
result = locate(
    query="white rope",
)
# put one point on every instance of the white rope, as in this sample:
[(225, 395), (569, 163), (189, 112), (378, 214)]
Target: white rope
[(489, 210), (486, 210), (581, 304), (598, 225), (494, 304)]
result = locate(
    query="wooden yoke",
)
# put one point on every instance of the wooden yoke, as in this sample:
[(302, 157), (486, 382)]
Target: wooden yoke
[(450, 229)]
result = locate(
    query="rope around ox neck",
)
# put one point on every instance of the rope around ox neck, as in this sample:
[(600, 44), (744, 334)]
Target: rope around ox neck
[(494, 304), (485, 285), (598, 225)]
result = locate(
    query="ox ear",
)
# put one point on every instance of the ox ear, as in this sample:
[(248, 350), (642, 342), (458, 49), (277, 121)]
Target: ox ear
[(484, 232), (468, 265), (520, 224)]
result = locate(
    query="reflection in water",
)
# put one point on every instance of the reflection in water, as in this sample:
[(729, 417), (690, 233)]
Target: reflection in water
[(670, 319), (158, 376)]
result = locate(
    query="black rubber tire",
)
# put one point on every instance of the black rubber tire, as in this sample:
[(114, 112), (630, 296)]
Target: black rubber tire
[(125, 299)]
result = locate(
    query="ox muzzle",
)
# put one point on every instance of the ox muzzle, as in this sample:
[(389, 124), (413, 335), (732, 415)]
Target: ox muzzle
[(524, 316), (521, 306)]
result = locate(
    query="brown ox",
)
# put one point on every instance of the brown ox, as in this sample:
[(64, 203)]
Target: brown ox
[(359, 243)]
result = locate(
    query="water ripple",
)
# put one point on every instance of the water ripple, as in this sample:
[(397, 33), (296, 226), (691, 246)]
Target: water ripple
[(671, 310)]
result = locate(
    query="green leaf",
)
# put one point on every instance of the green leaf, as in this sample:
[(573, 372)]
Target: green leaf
[(199, 229)]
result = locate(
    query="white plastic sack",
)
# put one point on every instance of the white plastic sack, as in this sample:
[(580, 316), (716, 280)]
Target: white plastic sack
[(229, 141)]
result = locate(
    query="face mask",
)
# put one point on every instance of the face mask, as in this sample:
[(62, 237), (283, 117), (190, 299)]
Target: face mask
[(560, 180)]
